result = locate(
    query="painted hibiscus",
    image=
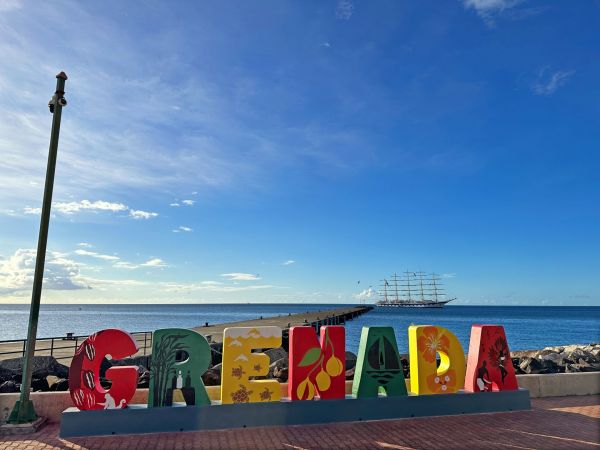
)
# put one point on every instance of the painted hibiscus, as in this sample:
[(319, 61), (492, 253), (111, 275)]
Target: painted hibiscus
[(431, 342), (442, 384)]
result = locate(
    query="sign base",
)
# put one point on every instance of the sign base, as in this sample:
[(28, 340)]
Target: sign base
[(136, 419)]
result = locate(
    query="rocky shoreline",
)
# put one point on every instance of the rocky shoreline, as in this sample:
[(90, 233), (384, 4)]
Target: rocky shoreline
[(49, 375)]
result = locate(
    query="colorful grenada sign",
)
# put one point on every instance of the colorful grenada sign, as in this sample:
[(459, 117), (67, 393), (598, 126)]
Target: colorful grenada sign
[(316, 367)]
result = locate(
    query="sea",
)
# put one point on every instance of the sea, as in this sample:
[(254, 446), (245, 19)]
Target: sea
[(527, 327)]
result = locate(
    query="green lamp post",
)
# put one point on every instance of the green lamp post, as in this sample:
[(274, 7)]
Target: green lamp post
[(23, 410)]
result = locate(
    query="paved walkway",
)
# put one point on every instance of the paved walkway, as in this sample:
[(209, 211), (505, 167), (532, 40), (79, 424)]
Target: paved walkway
[(554, 423)]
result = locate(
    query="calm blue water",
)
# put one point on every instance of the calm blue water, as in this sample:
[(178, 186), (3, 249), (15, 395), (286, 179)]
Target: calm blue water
[(526, 327)]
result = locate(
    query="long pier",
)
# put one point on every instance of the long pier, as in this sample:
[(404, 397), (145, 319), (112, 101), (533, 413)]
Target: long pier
[(315, 319), (63, 347)]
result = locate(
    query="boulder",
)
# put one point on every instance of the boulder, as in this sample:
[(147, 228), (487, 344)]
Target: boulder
[(61, 385), (212, 377), (350, 373), (9, 386), (42, 366), (144, 380), (350, 360), (276, 354), (40, 384)]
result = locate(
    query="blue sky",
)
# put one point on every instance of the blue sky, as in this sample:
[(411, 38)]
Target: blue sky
[(282, 151)]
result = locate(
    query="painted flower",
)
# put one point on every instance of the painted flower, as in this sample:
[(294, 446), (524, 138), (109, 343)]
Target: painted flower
[(442, 384), (431, 342)]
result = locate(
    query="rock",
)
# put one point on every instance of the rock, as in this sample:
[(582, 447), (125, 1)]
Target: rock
[(556, 358), (40, 384), (9, 386), (144, 380), (405, 367), (217, 346), (42, 366), (212, 377), (216, 357), (61, 385), (350, 360), (276, 354), (105, 383), (143, 363), (350, 374)]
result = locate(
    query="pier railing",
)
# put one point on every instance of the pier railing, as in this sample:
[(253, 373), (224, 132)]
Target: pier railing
[(63, 347)]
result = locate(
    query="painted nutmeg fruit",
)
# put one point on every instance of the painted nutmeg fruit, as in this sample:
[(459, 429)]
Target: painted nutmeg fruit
[(88, 379), (90, 351)]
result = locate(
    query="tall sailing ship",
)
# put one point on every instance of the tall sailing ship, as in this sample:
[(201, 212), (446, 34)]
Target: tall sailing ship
[(413, 290)]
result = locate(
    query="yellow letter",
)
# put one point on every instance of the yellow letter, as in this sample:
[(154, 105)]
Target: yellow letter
[(425, 343), (239, 363)]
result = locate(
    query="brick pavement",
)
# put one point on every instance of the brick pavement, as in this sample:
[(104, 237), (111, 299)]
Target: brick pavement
[(554, 423)]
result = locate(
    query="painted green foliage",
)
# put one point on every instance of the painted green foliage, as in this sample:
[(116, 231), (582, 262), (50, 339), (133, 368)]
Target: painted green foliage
[(169, 373), (378, 364)]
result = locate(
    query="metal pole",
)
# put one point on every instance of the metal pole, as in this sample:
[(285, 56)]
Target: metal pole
[(23, 410)]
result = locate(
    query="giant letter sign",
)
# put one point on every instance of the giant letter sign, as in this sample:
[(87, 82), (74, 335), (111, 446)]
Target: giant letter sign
[(489, 366), (239, 363), (84, 373), (378, 364), (317, 368), (425, 343), (168, 375)]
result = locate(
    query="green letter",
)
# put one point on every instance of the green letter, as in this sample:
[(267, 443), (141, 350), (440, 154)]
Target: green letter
[(378, 364), (167, 374)]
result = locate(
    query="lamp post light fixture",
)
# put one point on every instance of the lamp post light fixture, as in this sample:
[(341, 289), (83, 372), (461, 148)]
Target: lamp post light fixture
[(23, 411)]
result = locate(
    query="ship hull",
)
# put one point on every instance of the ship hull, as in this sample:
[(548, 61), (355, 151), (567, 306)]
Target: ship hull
[(406, 304)]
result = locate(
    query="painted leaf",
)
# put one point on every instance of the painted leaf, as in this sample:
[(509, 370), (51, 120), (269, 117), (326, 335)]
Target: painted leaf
[(310, 357)]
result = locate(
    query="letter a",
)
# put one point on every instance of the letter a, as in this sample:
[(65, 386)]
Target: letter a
[(489, 366)]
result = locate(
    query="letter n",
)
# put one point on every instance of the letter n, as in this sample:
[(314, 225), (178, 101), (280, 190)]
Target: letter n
[(378, 364), (317, 369), (489, 365), (179, 359)]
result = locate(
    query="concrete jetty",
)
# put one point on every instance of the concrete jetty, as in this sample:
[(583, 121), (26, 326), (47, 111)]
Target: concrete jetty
[(214, 333), (63, 348)]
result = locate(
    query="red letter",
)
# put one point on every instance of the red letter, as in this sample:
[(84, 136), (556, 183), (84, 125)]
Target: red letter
[(84, 373), (317, 369), (489, 366)]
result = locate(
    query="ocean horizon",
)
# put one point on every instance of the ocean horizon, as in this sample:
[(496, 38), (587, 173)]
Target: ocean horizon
[(527, 327)]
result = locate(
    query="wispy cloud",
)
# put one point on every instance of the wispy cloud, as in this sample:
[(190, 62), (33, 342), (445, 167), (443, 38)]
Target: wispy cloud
[(138, 214), (154, 262), (70, 208), (344, 9), (548, 82), (238, 276), (174, 205), (82, 252), (85, 245), (211, 286), (288, 262), (188, 202), (489, 10), (181, 228)]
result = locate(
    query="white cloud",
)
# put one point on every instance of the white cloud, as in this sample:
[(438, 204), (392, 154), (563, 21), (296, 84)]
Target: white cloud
[(547, 83), (96, 255), (238, 276), (288, 262), (366, 294), (188, 202), (488, 10), (344, 9), (204, 286), (125, 265), (175, 205), (154, 262), (16, 272), (138, 214), (85, 245), (181, 228), (7, 5), (99, 205), (70, 208)]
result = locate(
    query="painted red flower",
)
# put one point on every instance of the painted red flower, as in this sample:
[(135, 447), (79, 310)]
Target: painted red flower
[(431, 342)]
